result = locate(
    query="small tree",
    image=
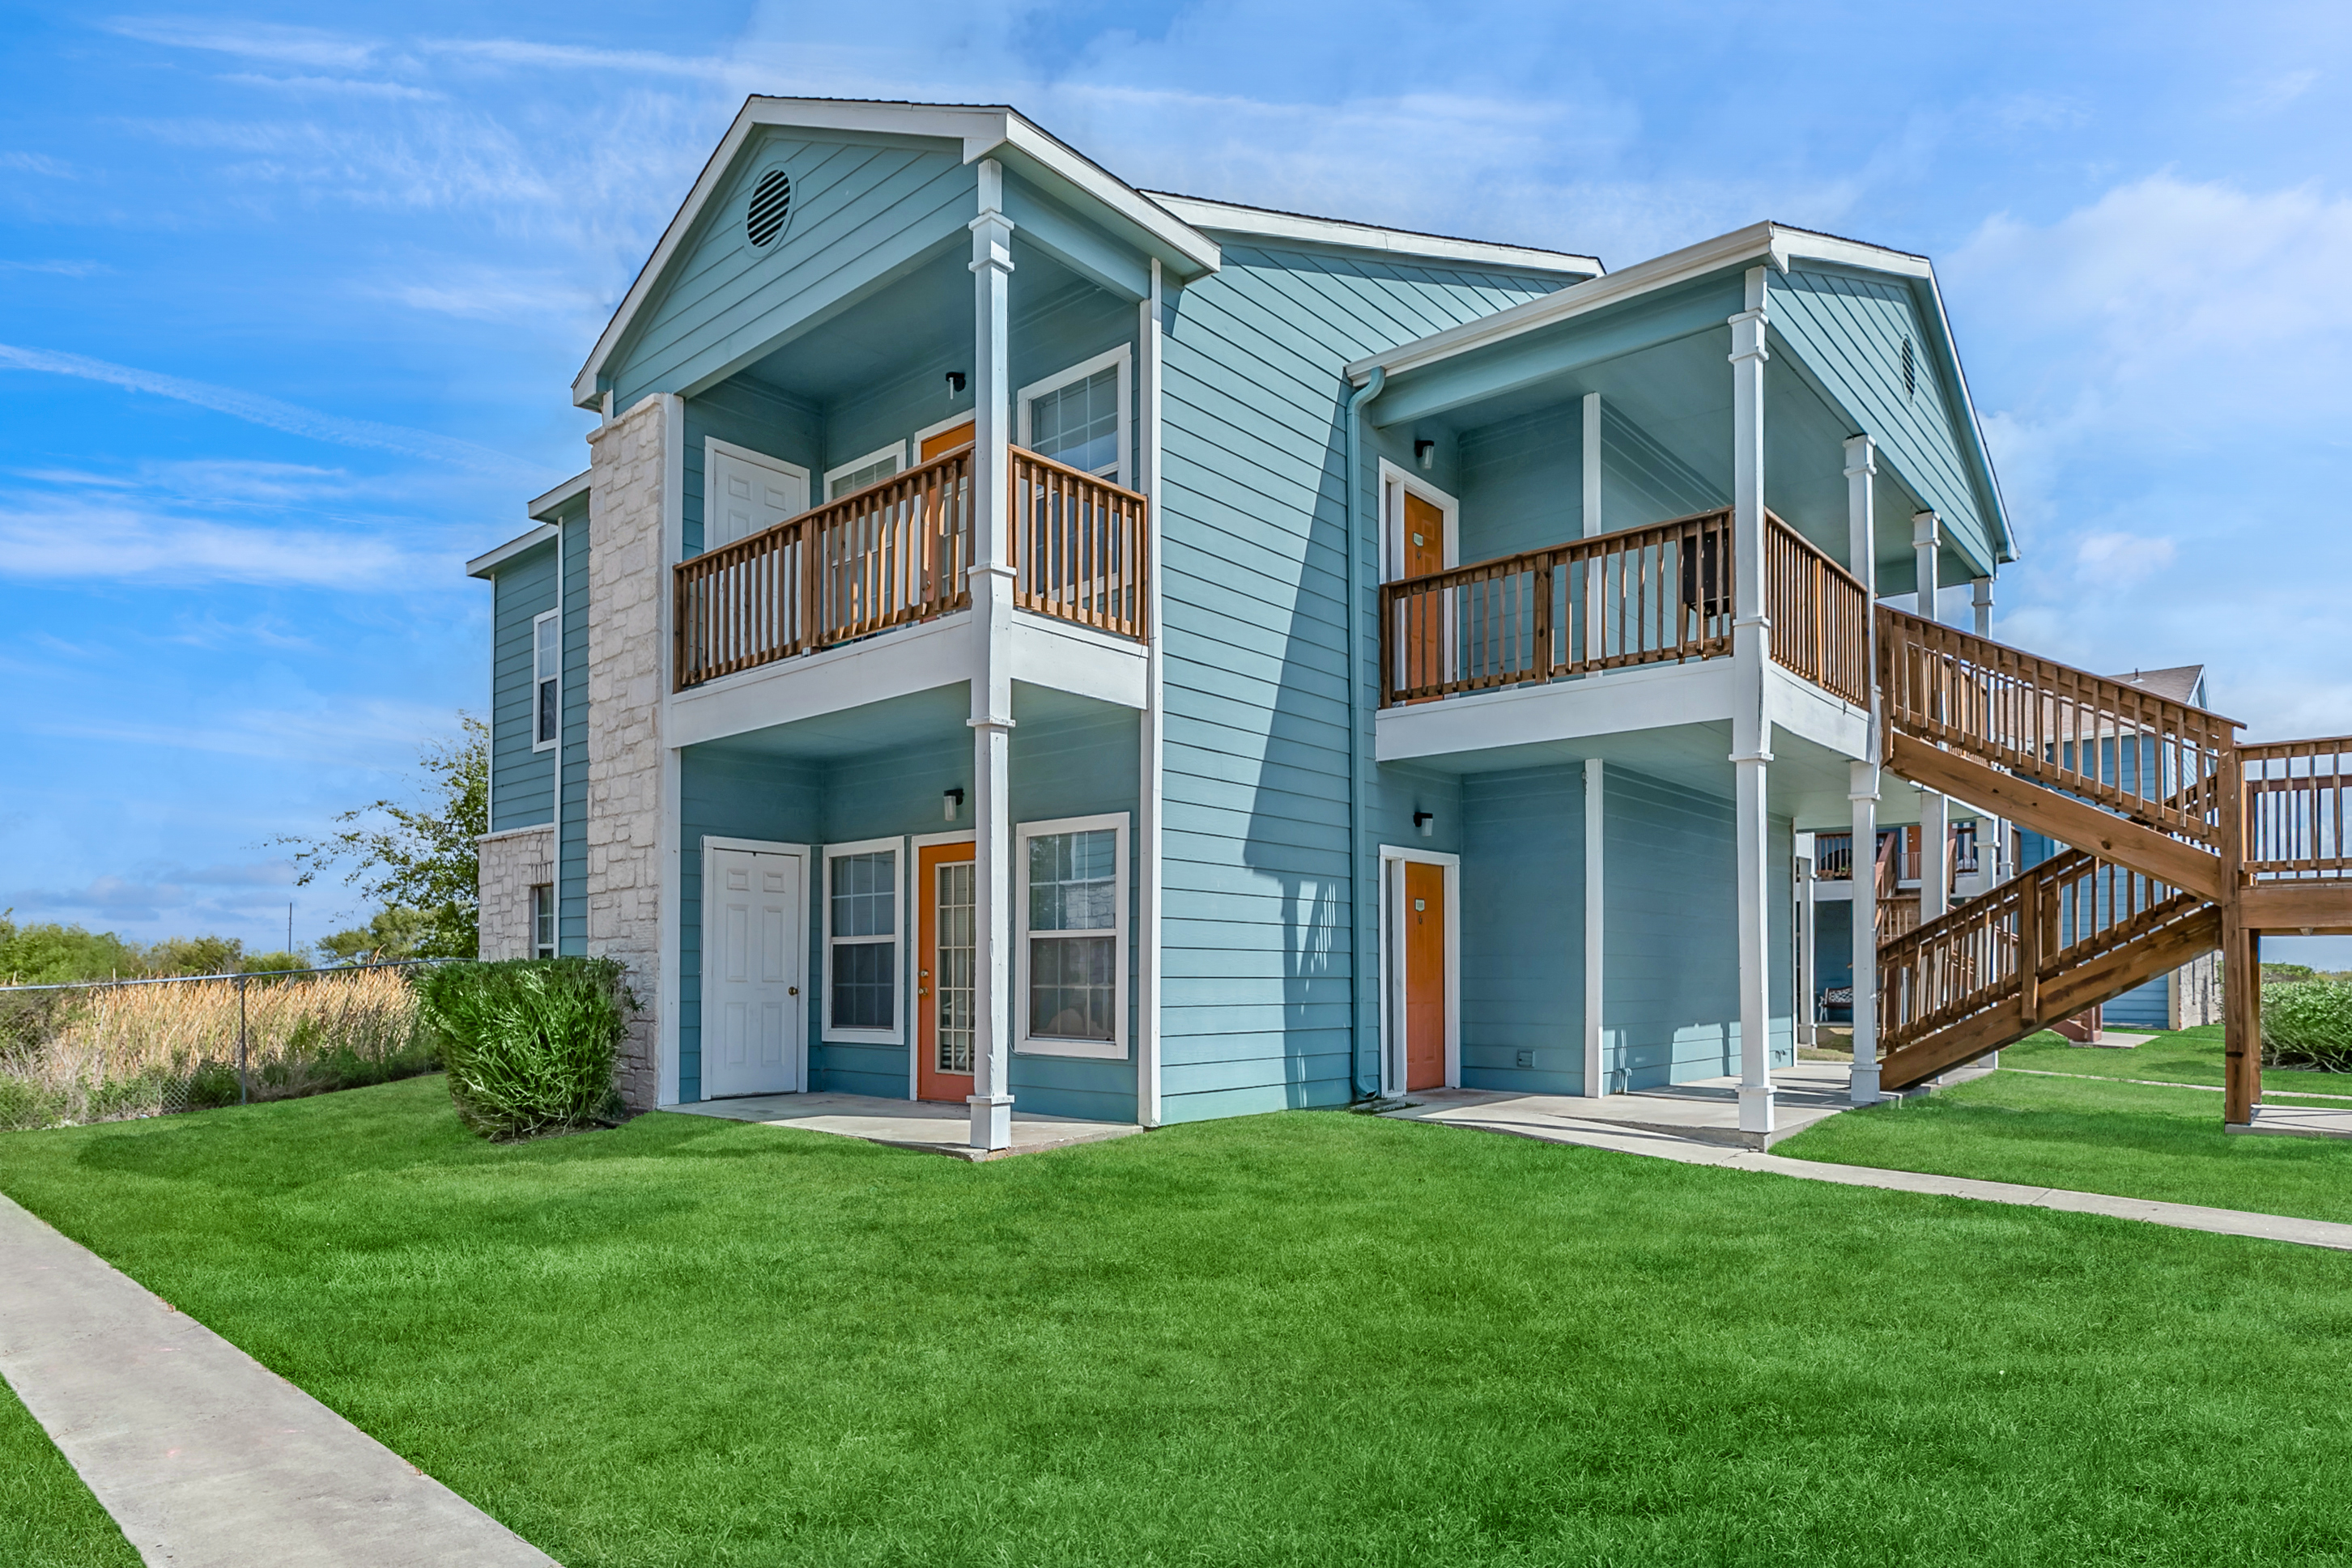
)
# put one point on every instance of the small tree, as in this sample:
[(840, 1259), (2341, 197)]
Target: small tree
[(392, 934), (420, 857)]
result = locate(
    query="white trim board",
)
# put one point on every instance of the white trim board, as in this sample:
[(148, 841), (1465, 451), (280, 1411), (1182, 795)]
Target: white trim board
[(1393, 859), (1231, 217)]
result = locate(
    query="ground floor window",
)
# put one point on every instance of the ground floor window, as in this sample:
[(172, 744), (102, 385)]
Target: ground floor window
[(542, 920), (861, 916), (1073, 905)]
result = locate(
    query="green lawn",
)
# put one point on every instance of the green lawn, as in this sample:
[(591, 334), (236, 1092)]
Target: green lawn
[(1307, 1338), (2184, 1056), (48, 1518)]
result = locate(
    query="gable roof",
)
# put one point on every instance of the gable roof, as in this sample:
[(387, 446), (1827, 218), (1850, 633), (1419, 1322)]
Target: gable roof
[(2179, 683), (984, 130), (1779, 246), (1235, 217)]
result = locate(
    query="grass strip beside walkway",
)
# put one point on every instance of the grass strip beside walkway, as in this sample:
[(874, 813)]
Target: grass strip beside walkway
[(48, 1518), (1312, 1338)]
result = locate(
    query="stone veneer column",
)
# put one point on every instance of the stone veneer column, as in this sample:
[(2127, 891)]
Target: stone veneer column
[(623, 817), (513, 863)]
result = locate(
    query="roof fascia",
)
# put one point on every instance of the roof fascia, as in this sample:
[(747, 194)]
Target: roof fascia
[(1971, 428), (487, 565), (978, 130), (1228, 218), (542, 508)]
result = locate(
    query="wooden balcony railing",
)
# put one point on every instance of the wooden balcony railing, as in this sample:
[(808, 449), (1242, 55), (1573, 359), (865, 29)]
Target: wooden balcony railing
[(2297, 809), (1659, 594), (1819, 613), (2107, 741), (897, 551), (1078, 546), (1655, 594)]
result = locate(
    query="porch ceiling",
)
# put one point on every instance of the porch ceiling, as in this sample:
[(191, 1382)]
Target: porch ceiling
[(896, 722)]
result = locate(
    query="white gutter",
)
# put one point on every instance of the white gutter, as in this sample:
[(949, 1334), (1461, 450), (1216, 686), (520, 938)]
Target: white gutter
[(1231, 218)]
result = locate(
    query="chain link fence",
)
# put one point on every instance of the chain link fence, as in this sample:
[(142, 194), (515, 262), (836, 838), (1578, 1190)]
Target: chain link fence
[(108, 1050)]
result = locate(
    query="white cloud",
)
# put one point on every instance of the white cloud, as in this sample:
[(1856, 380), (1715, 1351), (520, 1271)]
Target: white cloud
[(344, 86), (60, 268), (36, 163), (263, 410), (251, 40), (2117, 559), (68, 537)]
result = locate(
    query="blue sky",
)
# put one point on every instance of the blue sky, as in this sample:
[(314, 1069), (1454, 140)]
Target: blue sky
[(290, 296)]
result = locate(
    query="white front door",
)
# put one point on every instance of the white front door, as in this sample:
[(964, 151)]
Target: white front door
[(744, 491), (753, 953)]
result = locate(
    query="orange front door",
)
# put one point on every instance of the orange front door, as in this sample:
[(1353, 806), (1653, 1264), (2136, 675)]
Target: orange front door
[(1424, 631), (945, 954), (945, 441), (1424, 976)]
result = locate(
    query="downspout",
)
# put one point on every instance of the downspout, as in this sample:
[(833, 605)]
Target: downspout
[(1357, 400)]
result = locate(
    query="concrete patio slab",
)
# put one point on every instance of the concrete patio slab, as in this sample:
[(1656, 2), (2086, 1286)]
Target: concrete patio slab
[(905, 1123), (2299, 1121), (205, 1456), (1706, 1110)]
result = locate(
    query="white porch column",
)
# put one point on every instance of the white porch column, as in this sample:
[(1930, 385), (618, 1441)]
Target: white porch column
[(1809, 867), (1592, 524), (1751, 731), (1596, 1071), (992, 686), (1862, 778)]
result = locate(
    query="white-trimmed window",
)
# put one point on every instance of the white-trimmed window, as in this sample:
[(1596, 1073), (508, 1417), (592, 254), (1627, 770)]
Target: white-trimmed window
[(546, 679), (1071, 991), (858, 473), (542, 920), (1078, 416), (862, 926)]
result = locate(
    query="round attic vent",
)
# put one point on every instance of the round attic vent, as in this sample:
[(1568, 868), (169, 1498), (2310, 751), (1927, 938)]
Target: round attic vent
[(772, 203)]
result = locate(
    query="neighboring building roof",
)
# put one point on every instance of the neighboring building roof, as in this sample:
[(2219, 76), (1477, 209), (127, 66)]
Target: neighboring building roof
[(487, 564), (1777, 245), (2180, 683), (985, 131), (1233, 217)]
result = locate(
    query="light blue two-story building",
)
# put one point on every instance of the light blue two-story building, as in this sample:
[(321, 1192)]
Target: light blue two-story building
[(1024, 640)]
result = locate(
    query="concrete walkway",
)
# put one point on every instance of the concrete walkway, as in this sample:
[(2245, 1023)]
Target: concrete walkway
[(1527, 1117), (203, 1456), (905, 1123)]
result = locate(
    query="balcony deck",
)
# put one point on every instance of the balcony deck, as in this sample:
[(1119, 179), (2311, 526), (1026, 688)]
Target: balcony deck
[(897, 553)]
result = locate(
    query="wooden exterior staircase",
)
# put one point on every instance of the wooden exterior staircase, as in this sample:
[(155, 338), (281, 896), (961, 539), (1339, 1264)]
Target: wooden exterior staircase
[(2183, 841)]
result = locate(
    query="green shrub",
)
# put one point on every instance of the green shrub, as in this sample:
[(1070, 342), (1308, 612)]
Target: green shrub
[(2308, 1023), (528, 1043)]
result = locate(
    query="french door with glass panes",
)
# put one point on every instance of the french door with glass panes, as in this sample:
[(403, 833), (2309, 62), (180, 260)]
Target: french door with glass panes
[(946, 954)]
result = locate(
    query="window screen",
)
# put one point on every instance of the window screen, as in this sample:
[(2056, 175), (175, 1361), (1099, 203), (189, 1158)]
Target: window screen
[(858, 478), (1078, 423), (1073, 941)]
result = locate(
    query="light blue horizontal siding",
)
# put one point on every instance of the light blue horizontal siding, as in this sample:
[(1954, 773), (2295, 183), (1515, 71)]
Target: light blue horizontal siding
[(1262, 921), (1849, 331), (521, 779), (1522, 921), (863, 211)]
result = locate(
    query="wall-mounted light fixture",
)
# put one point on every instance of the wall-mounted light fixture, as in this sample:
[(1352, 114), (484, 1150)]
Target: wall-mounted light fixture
[(1426, 822), (952, 800), (955, 384), (1425, 453)]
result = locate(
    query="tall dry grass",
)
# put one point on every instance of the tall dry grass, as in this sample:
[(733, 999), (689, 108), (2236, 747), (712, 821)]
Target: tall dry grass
[(111, 1053)]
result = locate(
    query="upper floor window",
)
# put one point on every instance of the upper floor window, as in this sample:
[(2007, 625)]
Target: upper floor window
[(1079, 416), (1073, 947), (872, 468), (546, 679), (861, 942)]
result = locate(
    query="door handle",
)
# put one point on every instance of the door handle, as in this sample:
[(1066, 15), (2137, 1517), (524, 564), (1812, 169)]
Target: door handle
[(793, 991)]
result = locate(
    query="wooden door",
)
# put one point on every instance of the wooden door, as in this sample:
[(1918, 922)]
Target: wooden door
[(1424, 629), (945, 441), (946, 954), (1424, 976), (751, 1007)]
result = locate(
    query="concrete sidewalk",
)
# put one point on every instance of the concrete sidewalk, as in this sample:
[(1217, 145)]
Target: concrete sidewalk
[(205, 1458), (1528, 1117)]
